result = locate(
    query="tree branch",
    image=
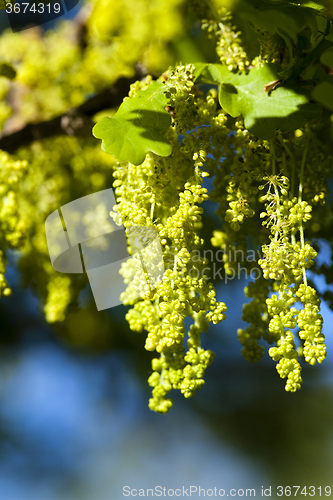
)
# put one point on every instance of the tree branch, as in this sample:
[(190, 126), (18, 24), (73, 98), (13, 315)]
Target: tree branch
[(76, 121)]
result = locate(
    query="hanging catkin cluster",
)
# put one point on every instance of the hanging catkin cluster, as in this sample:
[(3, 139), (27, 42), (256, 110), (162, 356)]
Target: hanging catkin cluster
[(167, 194), (266, 189)]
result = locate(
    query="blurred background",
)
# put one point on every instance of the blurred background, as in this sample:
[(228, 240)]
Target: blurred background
[(74, 420), (75, 424)]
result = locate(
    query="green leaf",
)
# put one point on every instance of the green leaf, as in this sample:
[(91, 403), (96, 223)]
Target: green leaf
[(210, 73), (264, 112), (312, 5), (303, 3), (136, 128), (323, 93), (275, 16), (7, 70), (330, 35), (327, 57), (299, 3), (292, 59)]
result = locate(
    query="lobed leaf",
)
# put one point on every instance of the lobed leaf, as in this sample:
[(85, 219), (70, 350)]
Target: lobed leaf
[(136, 128), (276, 16), (264, 112)]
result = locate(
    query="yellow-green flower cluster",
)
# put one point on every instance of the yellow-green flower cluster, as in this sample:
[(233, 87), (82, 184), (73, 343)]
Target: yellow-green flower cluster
[(286, 261), (53, 176), (235, 189), (288, 365), (255, 313), (12, 223), (228, 40), (184, 292), (166, 193), (58, 299), (271, 50), (284, 170), (282, 316), (4, 288), (310, 323)]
